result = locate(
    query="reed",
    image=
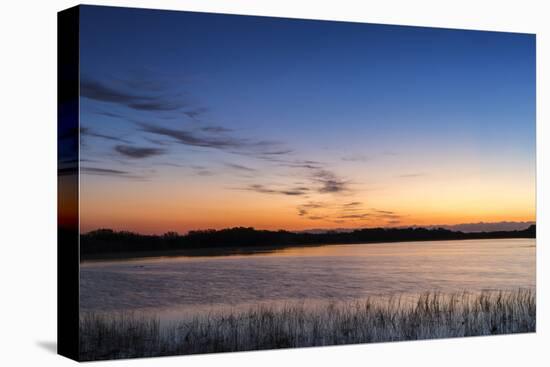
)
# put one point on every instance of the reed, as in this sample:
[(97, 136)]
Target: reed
[(430, 315)]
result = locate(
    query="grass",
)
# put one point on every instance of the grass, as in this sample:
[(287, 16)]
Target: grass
[(431, 315)]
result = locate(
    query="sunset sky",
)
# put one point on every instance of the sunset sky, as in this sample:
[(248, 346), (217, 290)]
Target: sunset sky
[(192, 121)]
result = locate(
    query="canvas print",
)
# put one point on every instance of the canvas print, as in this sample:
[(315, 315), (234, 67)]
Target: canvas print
[(249, 183)]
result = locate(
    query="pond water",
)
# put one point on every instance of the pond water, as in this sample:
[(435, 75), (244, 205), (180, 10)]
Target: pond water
[(169, 286)]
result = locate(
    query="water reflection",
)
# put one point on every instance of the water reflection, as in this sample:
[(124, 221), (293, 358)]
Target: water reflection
[(306, 274)]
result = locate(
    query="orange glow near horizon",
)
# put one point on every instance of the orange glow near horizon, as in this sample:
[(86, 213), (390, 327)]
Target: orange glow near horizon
[(159, 207)]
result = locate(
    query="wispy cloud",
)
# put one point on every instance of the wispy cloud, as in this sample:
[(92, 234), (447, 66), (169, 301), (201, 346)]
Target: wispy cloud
[(269, 154), (195, 113), (200, 170), (293, 191), (240, 167), (157, 141), (97, 171), (389, 216), (135, 94), (302, 212), (102, 171), (321, 181), (352, 212), (330, 182), (188, 137), (352, 204), (109, 114), (297, 163), (86, 131), (387, 212), (138, 152), (313, 205), (216, 129), (226, 143), (171, 164), (354, 216)]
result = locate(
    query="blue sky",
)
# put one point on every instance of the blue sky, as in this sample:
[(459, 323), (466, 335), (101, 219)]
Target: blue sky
[(208, 96)]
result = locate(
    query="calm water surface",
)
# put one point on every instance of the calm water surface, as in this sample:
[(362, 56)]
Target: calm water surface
[(166, 286)]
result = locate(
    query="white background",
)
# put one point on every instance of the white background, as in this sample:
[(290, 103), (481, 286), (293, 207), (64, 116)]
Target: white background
[(28, 182)]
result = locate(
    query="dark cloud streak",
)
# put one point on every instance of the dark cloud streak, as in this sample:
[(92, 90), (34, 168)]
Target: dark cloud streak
[(240, 167), (89, 132), (137, 98), (225, 143), (102, 171), (330, 183), (138, 152), (294, 191), (216, 129)]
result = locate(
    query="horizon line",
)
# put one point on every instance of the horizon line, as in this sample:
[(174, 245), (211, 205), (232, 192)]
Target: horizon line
[(333, 229)]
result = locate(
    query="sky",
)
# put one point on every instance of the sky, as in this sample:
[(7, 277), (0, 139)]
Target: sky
[(193, 121)]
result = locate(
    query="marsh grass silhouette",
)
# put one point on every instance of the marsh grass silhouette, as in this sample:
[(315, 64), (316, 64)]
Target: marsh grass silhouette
[(430, 315)]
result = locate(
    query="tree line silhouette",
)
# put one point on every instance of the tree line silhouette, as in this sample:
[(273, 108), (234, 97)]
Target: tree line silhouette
[(109, 242)]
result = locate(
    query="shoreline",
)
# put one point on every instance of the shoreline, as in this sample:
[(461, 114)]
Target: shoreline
[(249, 250)]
